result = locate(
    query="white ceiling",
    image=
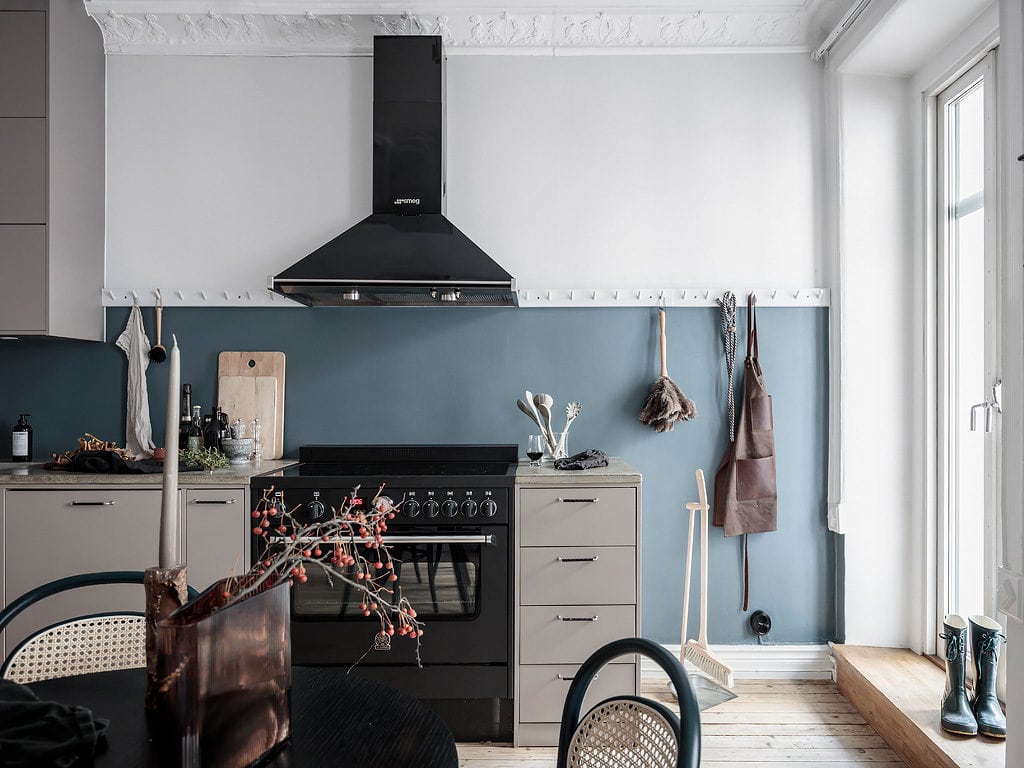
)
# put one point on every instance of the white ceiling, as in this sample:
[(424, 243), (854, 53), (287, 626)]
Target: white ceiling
[(911, 34)]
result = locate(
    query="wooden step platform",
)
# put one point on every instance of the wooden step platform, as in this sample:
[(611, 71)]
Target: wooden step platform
[(899, 693)]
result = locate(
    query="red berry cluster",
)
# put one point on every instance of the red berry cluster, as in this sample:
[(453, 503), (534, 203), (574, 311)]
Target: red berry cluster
[(349, 545)]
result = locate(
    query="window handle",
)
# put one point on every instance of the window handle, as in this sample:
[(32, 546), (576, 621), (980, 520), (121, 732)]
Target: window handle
[(989, 405)]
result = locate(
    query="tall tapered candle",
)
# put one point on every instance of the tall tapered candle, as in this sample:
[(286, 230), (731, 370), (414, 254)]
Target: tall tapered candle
[(169, 505)]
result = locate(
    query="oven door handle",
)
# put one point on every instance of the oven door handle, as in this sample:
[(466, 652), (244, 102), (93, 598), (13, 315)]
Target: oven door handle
[(485, 538)]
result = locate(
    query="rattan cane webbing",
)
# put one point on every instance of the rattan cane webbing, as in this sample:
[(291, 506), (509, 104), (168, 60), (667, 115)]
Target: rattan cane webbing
[(82, 646), (623, 734)]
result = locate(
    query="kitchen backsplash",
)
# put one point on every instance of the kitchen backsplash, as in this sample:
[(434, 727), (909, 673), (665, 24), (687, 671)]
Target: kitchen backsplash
[(453, 375)]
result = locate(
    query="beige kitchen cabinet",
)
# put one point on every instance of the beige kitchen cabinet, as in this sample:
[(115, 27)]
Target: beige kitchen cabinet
[(577, 588), (23, 62), (216, 535), (50, 534), (52, 147), (23, 267)]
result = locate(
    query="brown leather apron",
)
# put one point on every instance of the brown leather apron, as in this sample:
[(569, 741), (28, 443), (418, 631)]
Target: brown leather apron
[(745, 495)]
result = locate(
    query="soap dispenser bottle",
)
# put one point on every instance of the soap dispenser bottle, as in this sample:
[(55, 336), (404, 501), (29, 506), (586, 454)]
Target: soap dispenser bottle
[(21, 440)]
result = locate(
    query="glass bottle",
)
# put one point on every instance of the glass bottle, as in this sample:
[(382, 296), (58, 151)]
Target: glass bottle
[(212, 426), (257, 440), (195, 430), (186, 416)]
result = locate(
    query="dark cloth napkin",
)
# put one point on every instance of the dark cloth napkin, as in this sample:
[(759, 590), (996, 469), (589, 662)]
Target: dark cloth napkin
[(35, 733), (588, 459), (110, 463)]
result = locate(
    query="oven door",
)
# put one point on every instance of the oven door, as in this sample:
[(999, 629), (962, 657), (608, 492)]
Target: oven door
[(457, 580)]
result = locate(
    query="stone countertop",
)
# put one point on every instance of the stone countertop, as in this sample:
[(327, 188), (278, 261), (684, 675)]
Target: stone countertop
[(617, 471), (17, 473)]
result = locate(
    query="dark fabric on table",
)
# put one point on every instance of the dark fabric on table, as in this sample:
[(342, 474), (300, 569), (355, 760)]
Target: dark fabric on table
[(588, 459), (44, 733), (110, 463)]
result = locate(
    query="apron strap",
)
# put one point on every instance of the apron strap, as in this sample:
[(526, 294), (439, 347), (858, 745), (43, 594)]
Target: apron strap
[(746, 573)]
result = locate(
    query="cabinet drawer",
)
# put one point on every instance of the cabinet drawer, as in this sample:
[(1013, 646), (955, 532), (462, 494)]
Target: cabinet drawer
[(547, 639), (577, 575), (542, 689), (578, 516)]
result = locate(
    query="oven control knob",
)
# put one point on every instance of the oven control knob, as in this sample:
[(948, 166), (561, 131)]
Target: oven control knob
[(469, 508), (431, 507), (488, 507), (412, 507), (316, 507), (450, 507)]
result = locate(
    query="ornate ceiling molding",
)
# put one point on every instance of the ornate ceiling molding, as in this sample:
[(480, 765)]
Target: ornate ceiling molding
[(149, 28)]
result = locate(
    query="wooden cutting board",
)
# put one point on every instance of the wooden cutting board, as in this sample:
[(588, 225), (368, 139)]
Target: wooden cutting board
[(250, 385), (249, 397)]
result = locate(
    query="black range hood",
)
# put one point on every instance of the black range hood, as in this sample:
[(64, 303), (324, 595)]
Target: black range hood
[(406, 253)]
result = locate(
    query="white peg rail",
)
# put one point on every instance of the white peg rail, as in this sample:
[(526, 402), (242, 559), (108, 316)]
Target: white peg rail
[(528, 297), (669, 297), (192, 297)]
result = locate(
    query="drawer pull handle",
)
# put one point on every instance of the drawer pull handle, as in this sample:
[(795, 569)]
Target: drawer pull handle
[(594, 500), (215, 501), (576, 618), (573, 677), (109, 503), (578, 559)]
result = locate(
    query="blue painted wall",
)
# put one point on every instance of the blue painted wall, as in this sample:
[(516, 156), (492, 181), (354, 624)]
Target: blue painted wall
[(452, 375)]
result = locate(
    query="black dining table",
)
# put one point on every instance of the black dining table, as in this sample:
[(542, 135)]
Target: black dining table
[(338, 720)]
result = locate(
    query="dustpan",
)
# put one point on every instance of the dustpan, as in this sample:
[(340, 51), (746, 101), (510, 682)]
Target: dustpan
[(709, 693)]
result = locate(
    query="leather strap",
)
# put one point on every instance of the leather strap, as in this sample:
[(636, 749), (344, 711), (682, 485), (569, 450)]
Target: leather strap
[(746, 573)]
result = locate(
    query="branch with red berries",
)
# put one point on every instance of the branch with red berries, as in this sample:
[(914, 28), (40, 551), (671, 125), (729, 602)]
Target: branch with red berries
[(347, 545)]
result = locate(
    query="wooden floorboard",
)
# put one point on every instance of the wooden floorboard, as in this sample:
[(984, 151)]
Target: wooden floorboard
[(771, 723)]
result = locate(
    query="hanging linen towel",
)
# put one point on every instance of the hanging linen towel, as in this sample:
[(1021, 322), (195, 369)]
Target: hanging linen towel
[(138, 429)]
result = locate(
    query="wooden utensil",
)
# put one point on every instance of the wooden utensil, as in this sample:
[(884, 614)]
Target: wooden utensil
[(158, 353), (530, 413)]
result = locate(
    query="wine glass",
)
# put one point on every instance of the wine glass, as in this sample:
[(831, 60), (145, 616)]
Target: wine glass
[(535, 449)]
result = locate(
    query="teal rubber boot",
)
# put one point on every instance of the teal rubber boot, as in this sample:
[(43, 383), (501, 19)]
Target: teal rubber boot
[(957, 716), (986, 637)]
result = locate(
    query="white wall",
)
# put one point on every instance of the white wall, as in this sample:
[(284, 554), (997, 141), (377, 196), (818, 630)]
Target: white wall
[(572, 171), (875, 274), (1011, 80)]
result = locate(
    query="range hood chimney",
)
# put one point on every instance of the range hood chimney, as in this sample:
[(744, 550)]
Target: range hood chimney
[(406, 253)]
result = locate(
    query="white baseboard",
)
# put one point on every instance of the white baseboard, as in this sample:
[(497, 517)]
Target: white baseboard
[(764, 662)]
